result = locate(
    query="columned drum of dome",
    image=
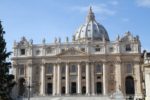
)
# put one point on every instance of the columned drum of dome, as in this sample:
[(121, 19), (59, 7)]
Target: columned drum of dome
[(91, 30)]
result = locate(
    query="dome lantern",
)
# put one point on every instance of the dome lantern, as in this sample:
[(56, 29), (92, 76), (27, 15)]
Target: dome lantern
[(90, 16)]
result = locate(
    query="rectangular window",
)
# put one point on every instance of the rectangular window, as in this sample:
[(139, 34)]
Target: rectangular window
[(98, 77), (83, 68), (111, 49), (73, 69), (49, 69), (63, 78), (63, 69), (98, 68), (62, 50), (97, 49), (22, 51), (49, 78), (128, 47), (49, 50), (21, 70), (83, 77), (129, 68), (83, 49)]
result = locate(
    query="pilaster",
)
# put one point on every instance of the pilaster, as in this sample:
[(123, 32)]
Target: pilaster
[(79, 79)]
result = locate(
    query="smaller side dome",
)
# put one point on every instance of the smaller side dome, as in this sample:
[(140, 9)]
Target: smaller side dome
[(91, 30)]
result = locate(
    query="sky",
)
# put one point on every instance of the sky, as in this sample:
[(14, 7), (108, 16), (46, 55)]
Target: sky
[(38, 19)]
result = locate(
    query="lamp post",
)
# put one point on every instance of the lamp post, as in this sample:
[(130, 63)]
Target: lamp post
[(29, 87)]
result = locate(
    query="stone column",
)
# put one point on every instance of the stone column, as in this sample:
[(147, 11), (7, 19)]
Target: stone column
[(42, 80), (92, 79), (31, 77), (54, 79), (118, 75), (104, 80), (79, 78), (67, 78), (147, 87), (137, 78), (58, 80), (87, 79)]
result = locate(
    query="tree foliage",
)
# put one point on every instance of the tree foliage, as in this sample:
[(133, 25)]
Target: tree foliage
[(6, 80)]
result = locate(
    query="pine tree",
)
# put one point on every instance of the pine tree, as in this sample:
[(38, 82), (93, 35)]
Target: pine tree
[(6, 80)]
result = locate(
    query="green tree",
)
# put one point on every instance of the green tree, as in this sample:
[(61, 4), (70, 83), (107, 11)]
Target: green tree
[(6, 80)]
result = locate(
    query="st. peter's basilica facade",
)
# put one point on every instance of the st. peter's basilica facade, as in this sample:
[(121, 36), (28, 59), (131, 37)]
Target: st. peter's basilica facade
[(90, 64)]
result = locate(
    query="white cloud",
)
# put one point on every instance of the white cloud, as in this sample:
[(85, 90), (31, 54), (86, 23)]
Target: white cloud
[(102, 9), (143, 3)]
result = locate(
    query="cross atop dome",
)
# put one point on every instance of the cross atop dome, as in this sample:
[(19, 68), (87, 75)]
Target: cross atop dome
[(90, 16)]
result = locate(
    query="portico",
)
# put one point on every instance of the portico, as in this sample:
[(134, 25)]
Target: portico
[(75, 82)]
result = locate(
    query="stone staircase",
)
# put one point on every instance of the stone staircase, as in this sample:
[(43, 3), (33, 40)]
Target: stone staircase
[(68, 98)]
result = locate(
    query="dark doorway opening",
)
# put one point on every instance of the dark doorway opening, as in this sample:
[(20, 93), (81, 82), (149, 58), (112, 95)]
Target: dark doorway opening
[(99, 88), (73, 88), (129, 85), (83, 90), (49, 88), (63, 90), (22, 87)]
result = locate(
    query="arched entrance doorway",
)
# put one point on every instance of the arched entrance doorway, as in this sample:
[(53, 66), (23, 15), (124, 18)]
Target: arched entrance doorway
[(22, 87), (129, 85), (73, 87), (99, 87), (49, 88), (63, 90), (83, 90)]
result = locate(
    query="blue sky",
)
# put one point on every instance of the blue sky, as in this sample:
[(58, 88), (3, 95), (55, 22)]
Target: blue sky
[(38, 19)]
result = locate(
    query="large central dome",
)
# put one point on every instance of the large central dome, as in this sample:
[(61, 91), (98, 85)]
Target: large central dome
[(91, 30)]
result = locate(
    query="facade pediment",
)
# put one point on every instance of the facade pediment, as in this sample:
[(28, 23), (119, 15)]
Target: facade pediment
[(72, 52)]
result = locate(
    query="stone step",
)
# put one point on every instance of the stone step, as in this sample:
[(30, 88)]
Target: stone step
[(68, 98)]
